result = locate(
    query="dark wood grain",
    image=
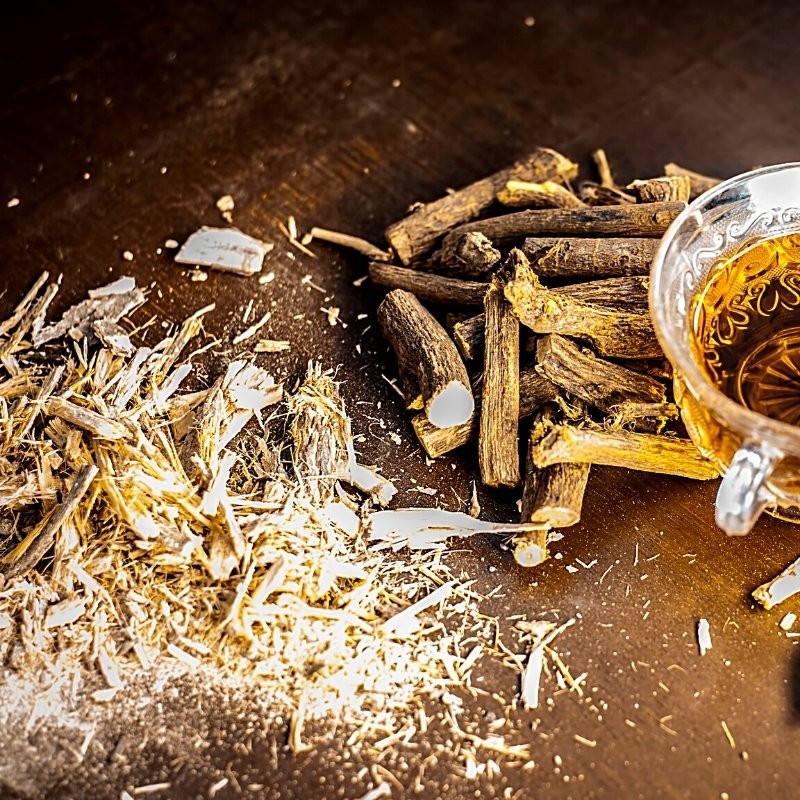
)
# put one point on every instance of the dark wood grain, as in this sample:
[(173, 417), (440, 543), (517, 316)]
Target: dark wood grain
[(121, 127)]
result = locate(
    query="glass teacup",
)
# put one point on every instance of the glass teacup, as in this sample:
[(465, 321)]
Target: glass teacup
[(758, 455)]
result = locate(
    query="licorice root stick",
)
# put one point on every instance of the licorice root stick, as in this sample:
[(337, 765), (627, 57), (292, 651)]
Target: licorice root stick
[(498, 454), (626, 293), (600, 383), (573, 256), (426, 353), (415, 235), (618, 334), (426, 286), (641, 219), (640, 451), (552, 496)]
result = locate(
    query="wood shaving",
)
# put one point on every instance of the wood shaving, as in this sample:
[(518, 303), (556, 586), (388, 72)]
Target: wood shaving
[(399, 623), (226, 249), (787, 621), (703, 636), (347, 240), (289, 230), (428, 528), (531, 677), (151, 788), (474, 503), (381, 790), (109, 304), (728, 735), (544, 633), (263, 280), (332, 313), (780, 588), (253, 329), (226, 204), (272, 346)]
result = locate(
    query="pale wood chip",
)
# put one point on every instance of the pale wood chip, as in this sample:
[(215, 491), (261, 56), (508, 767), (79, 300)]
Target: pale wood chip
[(780, 588)]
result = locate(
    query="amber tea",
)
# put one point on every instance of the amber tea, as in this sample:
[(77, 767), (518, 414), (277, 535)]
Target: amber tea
[(746, 327)]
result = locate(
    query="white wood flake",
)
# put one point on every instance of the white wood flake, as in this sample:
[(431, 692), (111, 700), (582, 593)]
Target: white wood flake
[(703, 636), (227, 249)]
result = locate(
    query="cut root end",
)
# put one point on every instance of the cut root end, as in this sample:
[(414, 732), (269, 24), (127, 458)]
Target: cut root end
[(454, 405), (530, 549)]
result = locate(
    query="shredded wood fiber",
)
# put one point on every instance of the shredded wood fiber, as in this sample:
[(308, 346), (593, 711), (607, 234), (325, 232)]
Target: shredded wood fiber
[(148, 526)]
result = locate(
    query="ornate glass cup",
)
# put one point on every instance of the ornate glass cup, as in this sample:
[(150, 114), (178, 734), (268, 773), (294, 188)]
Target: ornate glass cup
[(758, 455)]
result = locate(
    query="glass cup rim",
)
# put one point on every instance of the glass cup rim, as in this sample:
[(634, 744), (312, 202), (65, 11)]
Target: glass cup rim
[(751, 425)]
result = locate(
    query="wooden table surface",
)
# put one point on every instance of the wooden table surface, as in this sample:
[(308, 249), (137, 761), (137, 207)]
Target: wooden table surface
[(120, 126)]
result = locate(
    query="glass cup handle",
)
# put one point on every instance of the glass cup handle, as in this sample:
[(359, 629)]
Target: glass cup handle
[(743, 493)]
